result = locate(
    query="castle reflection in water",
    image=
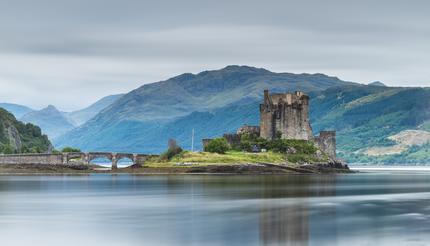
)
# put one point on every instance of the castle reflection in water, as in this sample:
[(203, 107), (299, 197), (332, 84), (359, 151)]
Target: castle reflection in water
[(288, 222)]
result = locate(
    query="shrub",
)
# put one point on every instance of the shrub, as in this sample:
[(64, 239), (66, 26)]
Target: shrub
[(173, 150), (56, 151), (7, 149), (217, 145), (170, 153), (70, 150), (248, 141), (284, 145)]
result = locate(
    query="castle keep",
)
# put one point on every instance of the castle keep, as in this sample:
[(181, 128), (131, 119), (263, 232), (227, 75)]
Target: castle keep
[(286, 116)]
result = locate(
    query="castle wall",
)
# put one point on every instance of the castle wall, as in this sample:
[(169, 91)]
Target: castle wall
[(232, 138), (266, 122), (287, 114), (251, 130), (326, 142)]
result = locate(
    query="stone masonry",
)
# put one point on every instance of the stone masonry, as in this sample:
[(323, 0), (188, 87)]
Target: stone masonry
[(285, 115), (326, 142), (66, 158)]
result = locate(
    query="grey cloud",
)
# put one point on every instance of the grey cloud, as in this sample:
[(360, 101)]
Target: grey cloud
[(99, 47)]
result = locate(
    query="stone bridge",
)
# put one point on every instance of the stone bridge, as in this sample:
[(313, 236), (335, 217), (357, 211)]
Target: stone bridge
[(72, 158)]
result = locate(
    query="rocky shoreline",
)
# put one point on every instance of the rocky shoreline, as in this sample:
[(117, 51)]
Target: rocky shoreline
[(261, 168)]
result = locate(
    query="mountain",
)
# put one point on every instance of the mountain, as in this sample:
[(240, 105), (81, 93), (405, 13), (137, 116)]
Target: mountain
[(83, 115), (207, 90), (52, 122), (17, 137), (128, 122), (17, 110), (377, 83), (367, 118)]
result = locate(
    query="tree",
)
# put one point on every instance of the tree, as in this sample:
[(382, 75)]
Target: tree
[(70, 150), (217, 145), (173, 150), (8, 149)]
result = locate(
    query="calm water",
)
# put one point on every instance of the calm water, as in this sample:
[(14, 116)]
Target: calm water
[(375, 208)]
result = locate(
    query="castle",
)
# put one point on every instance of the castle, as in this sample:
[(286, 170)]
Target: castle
[(286, 116)]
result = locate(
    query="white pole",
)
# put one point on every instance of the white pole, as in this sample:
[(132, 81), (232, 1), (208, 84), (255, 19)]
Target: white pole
[(192, 141)]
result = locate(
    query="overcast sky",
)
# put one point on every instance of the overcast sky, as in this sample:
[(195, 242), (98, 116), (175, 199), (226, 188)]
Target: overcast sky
[(72, 52)]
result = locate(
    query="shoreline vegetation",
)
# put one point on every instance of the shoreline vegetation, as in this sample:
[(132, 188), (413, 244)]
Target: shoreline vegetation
[(231, 162)]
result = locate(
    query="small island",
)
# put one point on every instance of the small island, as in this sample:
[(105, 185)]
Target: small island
[(282, 143)]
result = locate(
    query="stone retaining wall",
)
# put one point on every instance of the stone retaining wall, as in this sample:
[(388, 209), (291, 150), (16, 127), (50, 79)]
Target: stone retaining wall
[(44, 159)]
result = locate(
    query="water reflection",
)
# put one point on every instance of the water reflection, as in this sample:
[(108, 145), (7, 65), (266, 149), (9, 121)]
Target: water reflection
[(362, 209), (289, 224)]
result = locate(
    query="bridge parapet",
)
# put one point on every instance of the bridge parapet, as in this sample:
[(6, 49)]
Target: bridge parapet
[(65, 158)]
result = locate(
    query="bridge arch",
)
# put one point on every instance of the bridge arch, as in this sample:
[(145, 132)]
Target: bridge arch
[(102, 155), (121, 157)]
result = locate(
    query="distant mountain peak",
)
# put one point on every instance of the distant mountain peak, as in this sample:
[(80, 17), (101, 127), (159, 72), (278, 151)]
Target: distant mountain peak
[(243, 68), (17, 110), (377, 83), (50, 120), (51, 108)]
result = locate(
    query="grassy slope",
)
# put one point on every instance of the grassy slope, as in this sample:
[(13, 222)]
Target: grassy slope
[(231, 158)]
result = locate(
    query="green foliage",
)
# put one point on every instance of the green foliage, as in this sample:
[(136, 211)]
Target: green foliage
[(248, 141), (30, 136), (56, 151), (170, 153), (217, 145), (7, 149), (286, 145), (70, 150), (277, 145)]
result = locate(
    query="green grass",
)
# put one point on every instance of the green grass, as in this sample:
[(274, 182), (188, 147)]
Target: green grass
[(230, 157)]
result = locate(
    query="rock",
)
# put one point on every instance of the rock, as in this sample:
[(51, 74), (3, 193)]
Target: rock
[(291, 150)]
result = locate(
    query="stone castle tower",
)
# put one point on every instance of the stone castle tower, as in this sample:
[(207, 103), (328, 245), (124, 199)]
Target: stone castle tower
[(285, 115)]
